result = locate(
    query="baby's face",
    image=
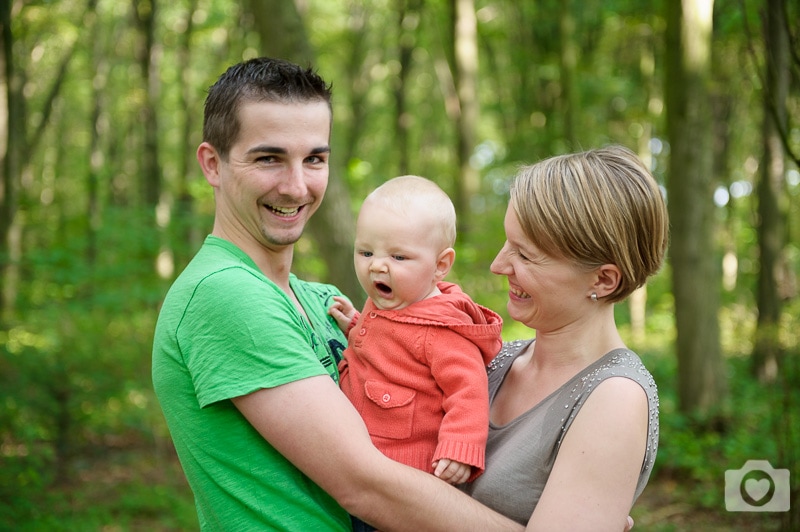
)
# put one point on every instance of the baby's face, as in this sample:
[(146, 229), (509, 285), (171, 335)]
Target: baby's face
[(395, 257)]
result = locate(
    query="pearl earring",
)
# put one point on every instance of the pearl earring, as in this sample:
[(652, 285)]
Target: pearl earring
[(594, 296)]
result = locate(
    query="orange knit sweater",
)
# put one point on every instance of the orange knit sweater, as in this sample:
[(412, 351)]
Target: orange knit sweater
[(418, 377)]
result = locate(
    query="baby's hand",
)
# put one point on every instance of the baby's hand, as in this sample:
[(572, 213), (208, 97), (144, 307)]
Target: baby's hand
[(451, 471), (343, 312)]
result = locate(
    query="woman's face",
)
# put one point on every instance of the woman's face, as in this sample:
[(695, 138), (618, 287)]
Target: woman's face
[(545, 293)]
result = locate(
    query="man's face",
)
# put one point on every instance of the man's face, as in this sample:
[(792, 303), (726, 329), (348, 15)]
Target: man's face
[(276, 173)]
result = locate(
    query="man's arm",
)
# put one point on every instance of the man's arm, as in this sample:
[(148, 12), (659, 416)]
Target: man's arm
[(315, 427)]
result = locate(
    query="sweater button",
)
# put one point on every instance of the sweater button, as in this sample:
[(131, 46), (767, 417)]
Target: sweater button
[(386, 398), (362, 332), (373, 315)]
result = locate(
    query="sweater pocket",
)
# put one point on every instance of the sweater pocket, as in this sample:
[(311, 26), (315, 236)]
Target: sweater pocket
[(389, 413)]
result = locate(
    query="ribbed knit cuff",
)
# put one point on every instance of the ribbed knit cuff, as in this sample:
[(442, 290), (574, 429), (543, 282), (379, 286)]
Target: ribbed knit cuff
[(466, 453)]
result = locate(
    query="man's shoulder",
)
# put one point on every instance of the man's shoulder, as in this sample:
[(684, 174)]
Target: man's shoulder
[(322, 290)]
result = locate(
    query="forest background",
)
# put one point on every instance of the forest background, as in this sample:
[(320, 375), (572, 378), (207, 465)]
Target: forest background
[(102, 204)]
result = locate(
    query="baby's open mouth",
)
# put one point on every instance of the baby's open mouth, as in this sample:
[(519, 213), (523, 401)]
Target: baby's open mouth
[(383, 288)]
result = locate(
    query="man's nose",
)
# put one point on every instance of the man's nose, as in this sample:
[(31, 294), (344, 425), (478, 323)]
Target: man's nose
[(294, 181)]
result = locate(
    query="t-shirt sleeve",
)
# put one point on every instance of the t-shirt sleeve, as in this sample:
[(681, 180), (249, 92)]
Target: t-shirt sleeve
[(239, 334)]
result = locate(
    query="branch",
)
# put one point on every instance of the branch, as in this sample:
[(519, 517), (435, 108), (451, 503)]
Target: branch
[(55, 89), (783, 129)]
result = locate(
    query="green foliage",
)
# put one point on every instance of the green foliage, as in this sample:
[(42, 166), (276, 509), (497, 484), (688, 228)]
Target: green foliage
[(759, 422), (82, 442)]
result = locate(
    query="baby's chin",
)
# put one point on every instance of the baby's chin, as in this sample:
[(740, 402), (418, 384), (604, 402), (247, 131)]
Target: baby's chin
[(387, 303)]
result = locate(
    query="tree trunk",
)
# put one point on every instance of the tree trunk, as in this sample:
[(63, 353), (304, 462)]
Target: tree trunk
[(186, 237), (101, 68), (637, 303), (770, 190), (145, 14), (282, 33), (13, 134), (693, 255), (465, 46), (407, 24), (568, 65), (357, 80)]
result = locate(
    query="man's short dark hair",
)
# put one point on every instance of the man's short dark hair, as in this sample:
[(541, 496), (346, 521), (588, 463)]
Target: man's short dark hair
[(256, 80)]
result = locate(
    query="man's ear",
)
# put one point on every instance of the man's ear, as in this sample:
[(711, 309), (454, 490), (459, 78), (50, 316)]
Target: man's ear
[(607, 280), (444, 262), (209, 160)]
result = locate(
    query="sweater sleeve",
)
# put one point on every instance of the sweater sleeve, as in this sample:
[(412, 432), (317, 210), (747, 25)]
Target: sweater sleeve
[(353, 323), (457, 366)]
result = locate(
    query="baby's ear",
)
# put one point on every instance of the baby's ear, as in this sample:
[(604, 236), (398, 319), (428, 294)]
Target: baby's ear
[(444, 262)]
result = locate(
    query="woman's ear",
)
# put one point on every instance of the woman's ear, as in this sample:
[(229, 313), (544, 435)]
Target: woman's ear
[(444, 262), (607, 280), (209, 160)]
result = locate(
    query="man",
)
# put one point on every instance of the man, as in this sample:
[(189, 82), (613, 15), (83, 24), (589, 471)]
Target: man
[(244, 356)]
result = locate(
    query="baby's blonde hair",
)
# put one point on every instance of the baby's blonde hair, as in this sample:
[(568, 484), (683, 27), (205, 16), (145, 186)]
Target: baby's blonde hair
[(423, 201)]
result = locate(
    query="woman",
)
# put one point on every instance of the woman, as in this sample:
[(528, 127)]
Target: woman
[(574, 414)]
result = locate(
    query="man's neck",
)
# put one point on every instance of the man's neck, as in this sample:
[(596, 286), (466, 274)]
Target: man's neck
[(277, 265), (274, 262)]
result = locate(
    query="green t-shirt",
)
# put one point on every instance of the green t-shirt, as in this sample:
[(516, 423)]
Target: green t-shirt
[(226, 330)]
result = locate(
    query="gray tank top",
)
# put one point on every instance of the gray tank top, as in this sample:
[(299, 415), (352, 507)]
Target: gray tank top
[(521, 454)]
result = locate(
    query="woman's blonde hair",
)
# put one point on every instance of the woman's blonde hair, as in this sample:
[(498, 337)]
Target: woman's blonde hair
[(597, 207)]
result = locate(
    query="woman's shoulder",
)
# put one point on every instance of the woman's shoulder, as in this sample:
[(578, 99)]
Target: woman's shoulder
[(508, 352), (622, 363)]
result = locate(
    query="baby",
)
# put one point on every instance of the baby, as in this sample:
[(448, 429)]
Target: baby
[(416, 363)]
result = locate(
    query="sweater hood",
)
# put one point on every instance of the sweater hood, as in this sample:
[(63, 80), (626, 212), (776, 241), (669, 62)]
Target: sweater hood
[(455, 310)]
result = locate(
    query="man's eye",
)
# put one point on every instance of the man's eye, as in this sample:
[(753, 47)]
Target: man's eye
[(315, 159)]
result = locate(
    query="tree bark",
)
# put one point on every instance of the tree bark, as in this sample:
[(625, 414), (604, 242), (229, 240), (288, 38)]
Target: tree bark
[(568, 66), (144, 12), (12, 134), (770, 190), (465, 46), (407, 24), (637, 302), (693, 255), (186, 237)]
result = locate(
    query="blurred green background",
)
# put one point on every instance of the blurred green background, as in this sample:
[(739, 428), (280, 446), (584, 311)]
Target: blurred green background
[(102, 204)]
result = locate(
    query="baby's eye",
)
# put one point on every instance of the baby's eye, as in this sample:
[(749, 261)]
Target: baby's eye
[(399, 257), (365, 253)]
